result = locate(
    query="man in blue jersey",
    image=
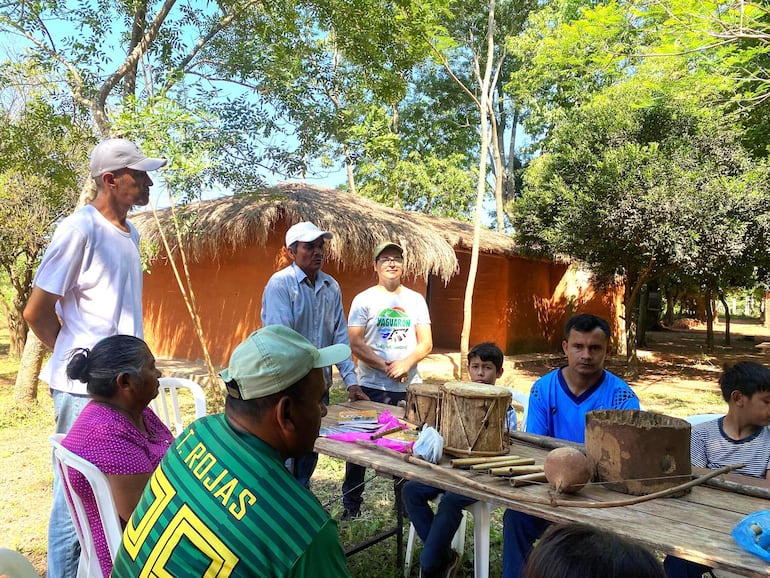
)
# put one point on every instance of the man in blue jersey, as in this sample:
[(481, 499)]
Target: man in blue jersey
[(558, 403)]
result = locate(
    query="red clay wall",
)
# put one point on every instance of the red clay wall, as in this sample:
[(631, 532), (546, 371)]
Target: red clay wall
[(521, 304)]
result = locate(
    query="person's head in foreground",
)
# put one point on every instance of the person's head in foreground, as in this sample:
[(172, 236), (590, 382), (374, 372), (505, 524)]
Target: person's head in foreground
[(582, 551), (485, 363), (586, 343), (119, 369), (275, 387), (746, 389)]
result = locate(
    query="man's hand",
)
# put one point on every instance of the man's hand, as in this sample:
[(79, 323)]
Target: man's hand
[(398, 370), (355, 393)]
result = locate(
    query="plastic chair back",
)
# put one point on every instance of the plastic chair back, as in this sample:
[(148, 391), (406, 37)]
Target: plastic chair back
[(166, 405), (15, 565), (522, 399), (701, 417), (66, 462)]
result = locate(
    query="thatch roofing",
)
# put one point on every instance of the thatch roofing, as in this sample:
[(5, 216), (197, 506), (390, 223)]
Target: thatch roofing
[(215, 228)]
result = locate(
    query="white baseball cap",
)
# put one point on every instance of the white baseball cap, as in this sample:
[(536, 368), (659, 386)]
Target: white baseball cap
[(305, 232), (114, 154)]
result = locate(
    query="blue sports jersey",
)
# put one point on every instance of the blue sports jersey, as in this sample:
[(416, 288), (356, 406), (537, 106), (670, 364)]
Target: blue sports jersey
[(555, 411)]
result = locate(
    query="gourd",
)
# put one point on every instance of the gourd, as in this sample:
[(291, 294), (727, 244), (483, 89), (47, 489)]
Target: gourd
[(567, 470)]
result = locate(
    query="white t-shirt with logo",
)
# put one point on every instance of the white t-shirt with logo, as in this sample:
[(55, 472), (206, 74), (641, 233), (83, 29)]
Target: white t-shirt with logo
[(390, 321)]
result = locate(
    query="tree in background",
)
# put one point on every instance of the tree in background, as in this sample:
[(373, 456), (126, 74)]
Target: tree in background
[(42, 163), (634, 183)]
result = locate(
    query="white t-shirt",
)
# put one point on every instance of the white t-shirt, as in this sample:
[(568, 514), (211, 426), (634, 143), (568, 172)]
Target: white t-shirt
[(96, 270), (390, 321)]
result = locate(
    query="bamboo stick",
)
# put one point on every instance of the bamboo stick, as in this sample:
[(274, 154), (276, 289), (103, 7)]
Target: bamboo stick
[(552, 500), (544, 441), (386, 432), (515, 470), (465, 462), (503, 463), (523, 480)]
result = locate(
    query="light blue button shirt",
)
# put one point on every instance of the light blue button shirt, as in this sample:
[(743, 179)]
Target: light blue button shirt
[(313, 311)]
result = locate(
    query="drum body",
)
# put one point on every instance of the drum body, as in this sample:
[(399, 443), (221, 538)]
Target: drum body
[(422, 404), (473, 419)]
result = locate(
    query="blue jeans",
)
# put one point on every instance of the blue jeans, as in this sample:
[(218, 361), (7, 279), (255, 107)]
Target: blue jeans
[(353, 485), (63, 546), (302, 467), (520, 531), (678, 568), (435, 530)]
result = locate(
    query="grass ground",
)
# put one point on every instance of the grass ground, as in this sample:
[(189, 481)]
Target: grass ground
[(676, 378)]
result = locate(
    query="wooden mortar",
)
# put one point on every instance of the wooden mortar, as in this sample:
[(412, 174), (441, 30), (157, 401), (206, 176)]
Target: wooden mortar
[(638, 452)]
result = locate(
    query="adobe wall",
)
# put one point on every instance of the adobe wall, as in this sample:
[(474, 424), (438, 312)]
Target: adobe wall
[(521, 304)]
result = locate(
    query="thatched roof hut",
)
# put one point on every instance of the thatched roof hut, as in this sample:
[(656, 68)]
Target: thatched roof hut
[(213, 229), (233, 244)]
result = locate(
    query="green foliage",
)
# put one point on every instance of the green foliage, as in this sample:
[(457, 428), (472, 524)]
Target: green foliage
[(640, 182), (429, 185), (42, 161)]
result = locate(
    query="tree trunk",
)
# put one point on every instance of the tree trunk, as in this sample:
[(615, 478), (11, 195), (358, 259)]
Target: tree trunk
[(671, 297), (709, 323), (644, 301), (17, 330), (631, 309), (25, 389), (484, 85), (723, 299)]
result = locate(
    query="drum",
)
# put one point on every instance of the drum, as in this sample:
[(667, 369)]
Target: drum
[(473, 419), (422, 404)]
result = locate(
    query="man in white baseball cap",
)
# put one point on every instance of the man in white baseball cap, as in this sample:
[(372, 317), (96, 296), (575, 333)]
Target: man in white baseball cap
[(309, 301), (88, 287), (113, 154)]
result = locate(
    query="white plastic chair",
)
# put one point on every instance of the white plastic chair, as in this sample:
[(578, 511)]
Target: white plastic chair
[(701, 417), (65, 462), (481, 512), (166, 405)]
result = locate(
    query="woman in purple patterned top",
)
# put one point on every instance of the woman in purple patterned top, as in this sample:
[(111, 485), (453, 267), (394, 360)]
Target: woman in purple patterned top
[(116, 431)]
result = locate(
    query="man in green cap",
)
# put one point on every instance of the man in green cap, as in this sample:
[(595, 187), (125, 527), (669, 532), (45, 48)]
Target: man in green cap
[(222, 502)]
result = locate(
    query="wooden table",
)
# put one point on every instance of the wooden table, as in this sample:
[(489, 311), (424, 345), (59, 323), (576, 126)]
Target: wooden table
[(695, 527)]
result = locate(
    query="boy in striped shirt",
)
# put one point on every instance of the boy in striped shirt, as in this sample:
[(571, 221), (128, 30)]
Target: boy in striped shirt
[(740, 437)]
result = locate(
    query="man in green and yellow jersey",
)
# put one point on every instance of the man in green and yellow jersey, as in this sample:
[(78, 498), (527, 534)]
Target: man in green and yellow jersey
[(222, 503)]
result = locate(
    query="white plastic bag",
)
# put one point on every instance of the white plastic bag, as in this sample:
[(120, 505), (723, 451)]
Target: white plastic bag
[(429, 445)]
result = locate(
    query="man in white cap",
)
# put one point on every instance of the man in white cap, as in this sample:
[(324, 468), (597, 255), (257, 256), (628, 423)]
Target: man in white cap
[(222, 502), (303, 297), (87, 287)]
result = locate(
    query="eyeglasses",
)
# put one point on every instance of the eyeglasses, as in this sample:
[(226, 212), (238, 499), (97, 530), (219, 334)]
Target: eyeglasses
[(397, 260)]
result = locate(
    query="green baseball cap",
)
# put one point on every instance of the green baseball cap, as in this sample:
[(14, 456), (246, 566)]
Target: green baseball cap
[(274, 358), (387, 245)]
